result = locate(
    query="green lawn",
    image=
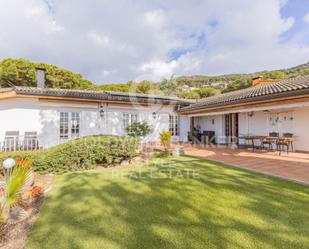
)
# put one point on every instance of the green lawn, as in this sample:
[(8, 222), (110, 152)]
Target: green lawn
[(142, 207)]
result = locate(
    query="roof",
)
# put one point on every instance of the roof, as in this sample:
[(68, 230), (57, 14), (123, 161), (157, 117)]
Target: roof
[(93, 95), (284, 88)]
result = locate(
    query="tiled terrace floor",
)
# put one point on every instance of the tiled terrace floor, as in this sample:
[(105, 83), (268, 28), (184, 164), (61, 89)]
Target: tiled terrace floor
[(292, 166)]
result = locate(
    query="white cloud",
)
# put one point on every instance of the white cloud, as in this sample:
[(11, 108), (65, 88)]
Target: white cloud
[(111, 41), (98, 39), (306, 18)]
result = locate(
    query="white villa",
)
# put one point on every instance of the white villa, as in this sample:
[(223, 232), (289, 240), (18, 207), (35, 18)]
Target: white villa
[(53, 116)]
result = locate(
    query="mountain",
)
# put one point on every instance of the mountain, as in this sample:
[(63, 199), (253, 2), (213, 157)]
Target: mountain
[(202, 80), (20, 72)]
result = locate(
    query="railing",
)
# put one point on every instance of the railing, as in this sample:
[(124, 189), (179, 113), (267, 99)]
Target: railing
[(16, 143)]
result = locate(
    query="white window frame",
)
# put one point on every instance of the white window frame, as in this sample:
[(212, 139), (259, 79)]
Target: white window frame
[(128, 119), (174, 123), (71, 127)]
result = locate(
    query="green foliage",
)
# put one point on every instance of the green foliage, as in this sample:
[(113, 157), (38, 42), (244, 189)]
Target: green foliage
[(169, 86), (166, 139), (207, 92), (237, 85), (145, 87), (275, 75), (139, 129), (161, 154), (114, 87), (18, 182), (304, 71), (173, 203), (199, 93), (22, 72), (189, 95), (80, 154)]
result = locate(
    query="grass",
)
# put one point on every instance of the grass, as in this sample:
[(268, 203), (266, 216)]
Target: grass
[(165, 204)]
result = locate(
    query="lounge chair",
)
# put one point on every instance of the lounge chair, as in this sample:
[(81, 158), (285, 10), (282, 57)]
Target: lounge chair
[(30, 141), (11, 141)]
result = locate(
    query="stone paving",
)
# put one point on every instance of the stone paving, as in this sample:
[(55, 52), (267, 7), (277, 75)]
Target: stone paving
[(292, 166)]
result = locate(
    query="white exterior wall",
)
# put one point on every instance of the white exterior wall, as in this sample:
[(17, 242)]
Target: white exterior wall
[(184, 128), (295, 121), (290, 118), (28, 114), (206, 124)]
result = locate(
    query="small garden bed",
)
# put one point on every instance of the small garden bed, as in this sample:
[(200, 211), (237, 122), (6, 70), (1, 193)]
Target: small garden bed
[(17, 229)]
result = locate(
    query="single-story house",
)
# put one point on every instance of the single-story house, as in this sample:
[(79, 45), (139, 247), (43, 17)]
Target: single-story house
[(54, 116), (268, 106)]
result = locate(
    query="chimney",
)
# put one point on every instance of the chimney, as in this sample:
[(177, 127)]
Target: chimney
[(256, 80), (40, 77), (259, 81)]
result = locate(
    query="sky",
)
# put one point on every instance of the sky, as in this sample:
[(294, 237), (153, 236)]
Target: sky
[(110, 41)]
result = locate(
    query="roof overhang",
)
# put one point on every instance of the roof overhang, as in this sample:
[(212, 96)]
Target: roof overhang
[(238, 107), (129, 100)]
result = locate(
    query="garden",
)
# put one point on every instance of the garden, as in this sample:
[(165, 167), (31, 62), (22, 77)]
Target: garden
[(108, 192)]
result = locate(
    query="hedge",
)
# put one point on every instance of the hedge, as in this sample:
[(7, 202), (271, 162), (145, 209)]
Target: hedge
[(79, 154)]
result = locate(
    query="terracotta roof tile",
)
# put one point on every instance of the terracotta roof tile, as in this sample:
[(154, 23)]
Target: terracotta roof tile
[(97, 95), (293, 86)]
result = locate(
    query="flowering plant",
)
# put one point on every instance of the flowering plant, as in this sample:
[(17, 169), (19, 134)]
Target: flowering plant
[(36, 191)]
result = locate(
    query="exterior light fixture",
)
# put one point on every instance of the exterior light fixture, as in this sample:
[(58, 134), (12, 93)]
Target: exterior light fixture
[(101, 110), (250, 114), (154, 115), (8, 165)]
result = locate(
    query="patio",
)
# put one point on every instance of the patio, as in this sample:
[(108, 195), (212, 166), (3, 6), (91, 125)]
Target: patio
[(293, 166)]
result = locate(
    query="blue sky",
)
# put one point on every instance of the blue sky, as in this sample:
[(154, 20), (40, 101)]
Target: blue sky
[(297, 9), (117, 41)]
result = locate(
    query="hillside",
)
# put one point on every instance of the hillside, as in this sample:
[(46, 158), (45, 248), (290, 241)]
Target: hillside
[(20, 72), (201, 80)]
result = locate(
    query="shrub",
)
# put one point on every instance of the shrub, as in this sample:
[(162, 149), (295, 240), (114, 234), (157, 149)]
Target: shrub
[(166, 139), (138, 129), (80, 154)]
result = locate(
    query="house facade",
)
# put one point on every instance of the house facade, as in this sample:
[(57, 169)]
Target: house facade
[(280, 107), (57, 115), (54, 116)]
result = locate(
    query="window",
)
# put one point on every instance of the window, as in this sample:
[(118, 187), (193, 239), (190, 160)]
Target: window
[(174, 125), (128, 119), (75, 124), (69, 125), (64, 125)]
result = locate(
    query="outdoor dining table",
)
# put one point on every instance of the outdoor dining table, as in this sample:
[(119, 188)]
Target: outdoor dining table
[(252, 138)]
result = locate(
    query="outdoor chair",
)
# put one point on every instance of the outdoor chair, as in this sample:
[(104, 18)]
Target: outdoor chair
[(11, 141), (270, 140), (30, 141), (285, 142)]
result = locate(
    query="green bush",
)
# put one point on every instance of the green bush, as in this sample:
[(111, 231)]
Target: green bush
[(166, 139), (139, 129), (80, 154)]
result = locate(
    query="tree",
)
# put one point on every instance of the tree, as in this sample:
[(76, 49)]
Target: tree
[(139, 129), (188, 95), (207, 92), (169, 86), (237, 85), (20, 72), (275, 75), (166, 139), (114, 87)]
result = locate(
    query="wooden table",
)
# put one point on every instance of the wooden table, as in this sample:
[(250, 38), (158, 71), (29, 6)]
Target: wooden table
[(252, 138)]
